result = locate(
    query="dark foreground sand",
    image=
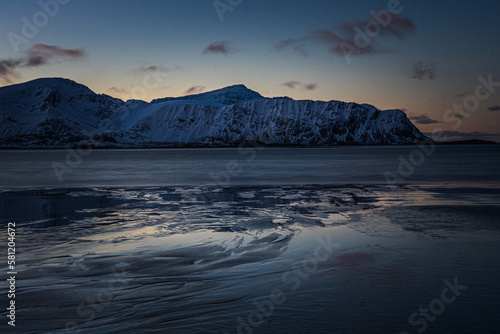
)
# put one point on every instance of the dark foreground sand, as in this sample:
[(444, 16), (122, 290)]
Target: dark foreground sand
[(297, 259)]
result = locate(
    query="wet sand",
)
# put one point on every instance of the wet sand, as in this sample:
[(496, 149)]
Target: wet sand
[(254, 259)]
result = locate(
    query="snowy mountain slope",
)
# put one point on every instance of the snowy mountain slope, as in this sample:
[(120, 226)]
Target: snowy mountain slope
[(59, 113), (226, 96), (279, 121), (51, 110)]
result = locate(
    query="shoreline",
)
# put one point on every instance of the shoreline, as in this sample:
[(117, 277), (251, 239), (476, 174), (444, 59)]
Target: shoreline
[(249, 145)]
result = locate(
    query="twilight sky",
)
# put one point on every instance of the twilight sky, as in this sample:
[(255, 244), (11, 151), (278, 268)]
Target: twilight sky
[(424, 58)]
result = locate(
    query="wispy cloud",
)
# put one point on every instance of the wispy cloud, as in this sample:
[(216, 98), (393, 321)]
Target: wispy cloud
[(423, 119), (8, 69), (37, 55), (300, 85), (48, 51), (221, 48), (195, 90), (345, 37), (311, 86), (422, 71), (297, 44), (152, 68), (456, 135), (117, 90), (494, 108)]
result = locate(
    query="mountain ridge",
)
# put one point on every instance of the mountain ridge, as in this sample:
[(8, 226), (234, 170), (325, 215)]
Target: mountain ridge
[(226, 95), (56, 113)]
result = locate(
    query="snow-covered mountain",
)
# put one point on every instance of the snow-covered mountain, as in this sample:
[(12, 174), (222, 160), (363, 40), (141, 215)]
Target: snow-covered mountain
[(59, 113), (229, 95), (50, 112)]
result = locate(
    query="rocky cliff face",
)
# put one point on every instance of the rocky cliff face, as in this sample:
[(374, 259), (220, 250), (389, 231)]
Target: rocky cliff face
[(59, 113)]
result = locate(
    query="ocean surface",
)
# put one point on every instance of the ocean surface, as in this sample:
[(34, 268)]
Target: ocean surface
[(381, 239)]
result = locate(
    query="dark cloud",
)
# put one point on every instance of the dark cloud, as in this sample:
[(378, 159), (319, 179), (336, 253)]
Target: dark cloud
[(456, 135), (300, 85), (494, 108), (298, 45), (195, 90), (152, 68), (37, 55), (36, 60), (118, 90), (7, 69), (222, 48), (291, 84), (421, 71), (51, 50), (346, 39), (398, 27), (41, 54), (311, 86), (337, 45), (424, 119)]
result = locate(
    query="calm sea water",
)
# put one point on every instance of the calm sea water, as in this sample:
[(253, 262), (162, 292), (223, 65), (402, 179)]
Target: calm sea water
[(279, 240), (251, 166)]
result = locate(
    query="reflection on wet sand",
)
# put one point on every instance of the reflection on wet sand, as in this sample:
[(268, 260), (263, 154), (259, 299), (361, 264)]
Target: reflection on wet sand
[(194, 260)]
